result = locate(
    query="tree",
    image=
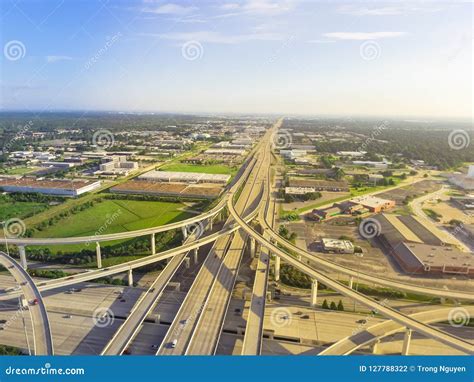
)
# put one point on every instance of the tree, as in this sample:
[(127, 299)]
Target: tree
[(333, 306), (338, 173), (325, 304), (340, 306)]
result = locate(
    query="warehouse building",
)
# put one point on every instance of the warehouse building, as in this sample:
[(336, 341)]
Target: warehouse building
[(417, 250), (70, 188), (337, 246), (184, 177)]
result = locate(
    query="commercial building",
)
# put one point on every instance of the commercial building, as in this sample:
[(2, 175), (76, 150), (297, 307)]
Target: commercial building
[(466, 203), (184, 177), (70, 188), (337, 246), (417, 250), (466, 182), (374, 204), (225, 151)]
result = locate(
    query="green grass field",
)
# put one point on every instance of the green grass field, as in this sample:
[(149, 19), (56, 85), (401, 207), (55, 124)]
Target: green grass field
[(19, 170), (111, 216), (10, 209), (210, 169)]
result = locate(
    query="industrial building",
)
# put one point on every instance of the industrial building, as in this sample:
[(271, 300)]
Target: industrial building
[(70, 188), (417, 250), (319, 185), (374, 204), (184, 177), (337, 246), (465, 182)]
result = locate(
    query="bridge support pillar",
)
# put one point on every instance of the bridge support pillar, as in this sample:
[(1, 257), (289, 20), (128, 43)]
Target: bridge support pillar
[(23, 262), (314, 293), (195, 252), (406, 342), (98, 255), (130, 277), (211, 222), (277, 268), (375, 346), (185, 233), (187, 262), (153, 246), (252, 247), (351, 282)]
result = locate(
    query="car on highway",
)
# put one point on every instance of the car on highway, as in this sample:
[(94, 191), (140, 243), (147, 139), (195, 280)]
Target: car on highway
[(174, 343), (34, 302)]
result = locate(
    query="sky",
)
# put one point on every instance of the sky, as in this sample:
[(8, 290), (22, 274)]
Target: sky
[(253, 56)]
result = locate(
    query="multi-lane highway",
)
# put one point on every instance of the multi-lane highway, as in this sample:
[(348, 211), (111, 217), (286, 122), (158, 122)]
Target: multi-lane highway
[(43, 339)]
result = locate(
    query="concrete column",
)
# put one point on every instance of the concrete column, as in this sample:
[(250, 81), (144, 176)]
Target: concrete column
[(23, 262), (375, 346), (153, 246), (277, 268), (187, 262), (351, 282), (130, 277), (406, 342), (99, 257), (252, 247), (314, 293), (211, 221), (185, 233), (195, 255)]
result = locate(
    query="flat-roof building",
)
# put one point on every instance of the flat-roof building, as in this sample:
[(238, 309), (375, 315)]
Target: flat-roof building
[(184, 177), (70, 188), (337, 246)]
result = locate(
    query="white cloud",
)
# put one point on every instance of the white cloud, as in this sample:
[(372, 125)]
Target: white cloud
[(170, 9), (384, 11), (217, 38), (362, 35), (257, 8), (57, 58)]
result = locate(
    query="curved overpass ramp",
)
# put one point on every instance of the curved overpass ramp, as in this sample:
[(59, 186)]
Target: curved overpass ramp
[(350, 344), (43, 339)]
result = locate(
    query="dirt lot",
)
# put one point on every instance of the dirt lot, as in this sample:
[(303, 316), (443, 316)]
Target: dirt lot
[(419, 189), (325, 196)]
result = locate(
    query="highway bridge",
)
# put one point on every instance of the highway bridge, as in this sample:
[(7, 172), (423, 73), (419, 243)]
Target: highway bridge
[(198, 324)]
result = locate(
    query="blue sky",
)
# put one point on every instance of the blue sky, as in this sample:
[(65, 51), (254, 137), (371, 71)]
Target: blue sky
[(255, 56)]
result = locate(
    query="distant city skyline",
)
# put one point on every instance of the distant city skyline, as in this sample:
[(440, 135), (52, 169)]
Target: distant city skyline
[(243, 57)]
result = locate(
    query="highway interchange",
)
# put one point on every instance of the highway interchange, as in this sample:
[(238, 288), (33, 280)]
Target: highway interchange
[(197, 326)]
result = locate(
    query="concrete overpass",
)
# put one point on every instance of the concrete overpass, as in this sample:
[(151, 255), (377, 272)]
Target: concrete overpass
[(43, 339)]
